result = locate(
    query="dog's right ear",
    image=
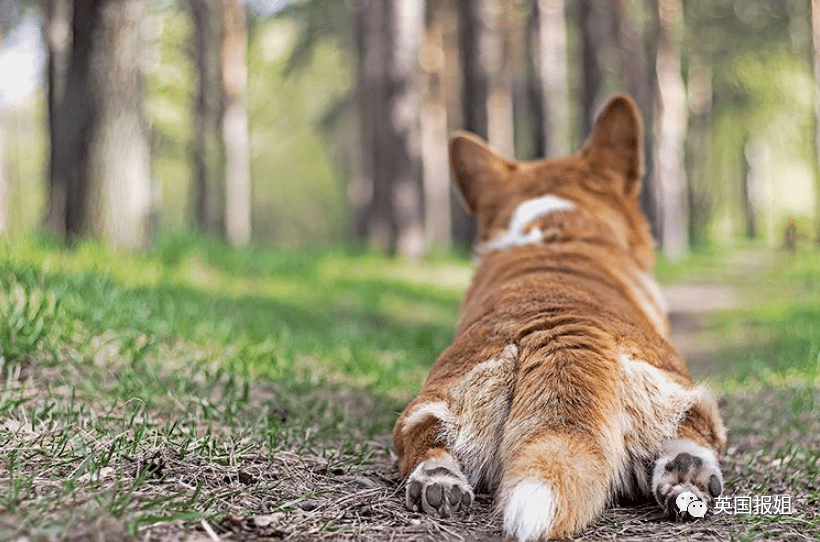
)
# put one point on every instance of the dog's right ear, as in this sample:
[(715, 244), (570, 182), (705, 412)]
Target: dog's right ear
[(479, 172)]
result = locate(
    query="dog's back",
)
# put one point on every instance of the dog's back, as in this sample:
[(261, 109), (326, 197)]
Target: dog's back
[(561, 389)]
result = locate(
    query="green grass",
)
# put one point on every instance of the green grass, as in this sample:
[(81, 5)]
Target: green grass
[(204, 351), (142, 390)]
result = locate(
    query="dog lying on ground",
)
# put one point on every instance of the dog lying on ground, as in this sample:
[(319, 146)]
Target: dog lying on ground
[(561, 391)]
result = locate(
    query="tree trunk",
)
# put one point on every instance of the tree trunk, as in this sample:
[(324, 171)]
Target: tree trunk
[(57, 30), (71, 124), (435, 159), (390, 41), (475, 79), (596, 28), (748, 181), (551, 32), (500, 60), (535, 91), (119, 160), (360, 189), (670, 131), (699, 155), (5, 189), (406, 27), (815, 32), (235, 124), (375, 121), (637, 71), (474, 96), (207, 153)]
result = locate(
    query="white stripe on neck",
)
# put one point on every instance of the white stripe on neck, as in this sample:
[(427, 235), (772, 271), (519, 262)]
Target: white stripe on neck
[(525, 214)]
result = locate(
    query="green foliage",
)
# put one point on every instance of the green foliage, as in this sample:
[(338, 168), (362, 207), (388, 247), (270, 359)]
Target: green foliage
[(777, 341), (202, 355)]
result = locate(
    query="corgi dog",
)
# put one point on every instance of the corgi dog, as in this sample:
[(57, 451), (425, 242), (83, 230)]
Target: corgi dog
[(562, 390)]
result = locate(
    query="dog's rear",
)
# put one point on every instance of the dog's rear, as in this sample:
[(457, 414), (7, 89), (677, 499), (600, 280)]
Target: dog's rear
[(561, 389)]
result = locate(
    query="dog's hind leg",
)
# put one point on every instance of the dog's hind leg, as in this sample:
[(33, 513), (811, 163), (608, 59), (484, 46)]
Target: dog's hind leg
[(447, 439)]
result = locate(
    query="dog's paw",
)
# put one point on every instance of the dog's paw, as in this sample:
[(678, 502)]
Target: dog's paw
[(438, 487), (686, 466)]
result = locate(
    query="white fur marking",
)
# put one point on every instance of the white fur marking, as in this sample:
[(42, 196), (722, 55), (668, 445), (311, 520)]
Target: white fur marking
[(653, 407), (526, 213), (530, 511), (436, 409)]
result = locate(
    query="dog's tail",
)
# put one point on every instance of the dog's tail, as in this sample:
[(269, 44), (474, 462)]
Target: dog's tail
[(555, 485)]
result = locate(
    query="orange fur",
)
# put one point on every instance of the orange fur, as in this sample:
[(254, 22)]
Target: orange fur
[(561, 382)]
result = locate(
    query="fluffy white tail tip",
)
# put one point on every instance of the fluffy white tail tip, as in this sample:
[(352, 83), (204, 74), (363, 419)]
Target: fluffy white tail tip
[(529, 512)]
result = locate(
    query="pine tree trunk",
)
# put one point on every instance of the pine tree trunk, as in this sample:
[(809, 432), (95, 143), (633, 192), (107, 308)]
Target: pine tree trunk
[(535, 91), (119, 174), (71, 125), (435, 159), (406, 28), (360, 189), (57, 30), (207, 153), (5, 189), (596, 28), (637, 71), (815, 32), (500, 63), (699, 158), (670, 131), (551, 32), (390, 40), (235, 124), (474, 96), (375, 121), (475, 80)]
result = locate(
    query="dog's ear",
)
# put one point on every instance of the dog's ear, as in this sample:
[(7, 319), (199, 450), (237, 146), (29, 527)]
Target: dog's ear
[(615, 143), (478, 171)]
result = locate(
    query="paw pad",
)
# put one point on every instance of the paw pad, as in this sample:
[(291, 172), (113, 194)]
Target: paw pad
[(437, 491)]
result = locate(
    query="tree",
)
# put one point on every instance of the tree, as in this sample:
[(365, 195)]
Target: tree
[(57, 30), (70, 116), (5, 190), (670, 130), (501, 59), (100, 165), (391, 34), (535, 91), (474, 95), (207, 153), (234, 78), (815, 32), (630, 34), (118, 157), (596, 28), (435, 161), (551, 49)]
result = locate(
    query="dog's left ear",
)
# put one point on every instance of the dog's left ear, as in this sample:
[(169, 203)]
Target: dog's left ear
[(615, 143)]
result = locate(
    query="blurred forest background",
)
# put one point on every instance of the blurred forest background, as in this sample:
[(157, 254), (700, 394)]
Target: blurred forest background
[(325, 122)]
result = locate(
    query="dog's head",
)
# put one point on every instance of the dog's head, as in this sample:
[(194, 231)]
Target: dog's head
[(603, 181)]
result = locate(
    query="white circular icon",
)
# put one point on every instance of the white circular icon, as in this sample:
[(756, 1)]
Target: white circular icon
[(688, 502)]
